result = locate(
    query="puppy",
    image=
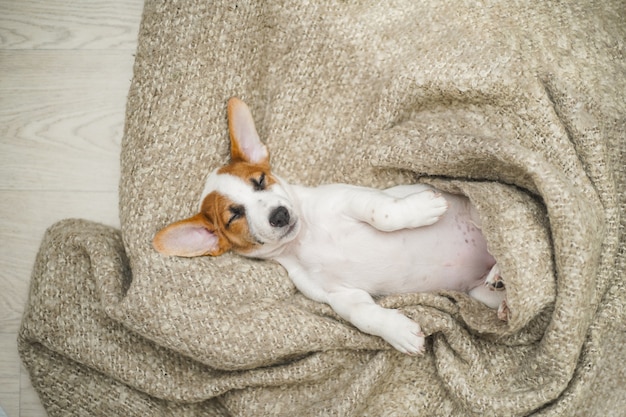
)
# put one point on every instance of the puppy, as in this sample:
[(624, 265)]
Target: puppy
[(340, 244)]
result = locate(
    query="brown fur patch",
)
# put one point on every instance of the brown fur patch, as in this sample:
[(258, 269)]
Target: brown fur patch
[(233, 235), (249, 172)]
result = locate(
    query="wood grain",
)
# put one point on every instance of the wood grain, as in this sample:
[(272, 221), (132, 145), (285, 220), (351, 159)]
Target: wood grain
[(53, 126), (9, 374), (63, 24), (65, 70)]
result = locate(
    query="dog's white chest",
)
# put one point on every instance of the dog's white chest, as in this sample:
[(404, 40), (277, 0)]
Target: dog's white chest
[(337, 251)]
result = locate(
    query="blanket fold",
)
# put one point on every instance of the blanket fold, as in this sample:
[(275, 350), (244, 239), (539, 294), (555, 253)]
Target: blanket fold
[(519, 106)]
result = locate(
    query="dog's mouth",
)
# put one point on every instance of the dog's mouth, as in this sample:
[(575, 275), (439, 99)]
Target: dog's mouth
[(291, 230), (287, 233)]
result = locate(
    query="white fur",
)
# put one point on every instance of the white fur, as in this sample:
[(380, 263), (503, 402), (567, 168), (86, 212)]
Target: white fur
[(258, 205), (344, 244)]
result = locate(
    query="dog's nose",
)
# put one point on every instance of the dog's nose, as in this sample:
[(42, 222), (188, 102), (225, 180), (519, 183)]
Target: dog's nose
[(279, 217)]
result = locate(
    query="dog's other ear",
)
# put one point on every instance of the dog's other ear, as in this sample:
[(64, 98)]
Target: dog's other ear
[(194, 236), (245, 144)]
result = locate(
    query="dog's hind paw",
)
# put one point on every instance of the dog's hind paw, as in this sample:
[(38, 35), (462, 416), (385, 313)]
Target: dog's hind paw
[(494, 279), (404, 335)]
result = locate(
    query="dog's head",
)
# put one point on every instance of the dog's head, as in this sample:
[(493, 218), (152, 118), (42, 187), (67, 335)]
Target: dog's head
[(244, 207)]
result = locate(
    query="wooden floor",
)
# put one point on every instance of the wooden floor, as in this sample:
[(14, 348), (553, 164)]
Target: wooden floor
[(65, 70)]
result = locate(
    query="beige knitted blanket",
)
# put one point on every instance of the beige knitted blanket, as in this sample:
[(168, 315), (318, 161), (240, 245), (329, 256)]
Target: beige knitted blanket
[(520, 105)]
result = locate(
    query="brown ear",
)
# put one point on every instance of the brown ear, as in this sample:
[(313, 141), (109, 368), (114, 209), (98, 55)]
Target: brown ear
[(194, 236), (245, 144)]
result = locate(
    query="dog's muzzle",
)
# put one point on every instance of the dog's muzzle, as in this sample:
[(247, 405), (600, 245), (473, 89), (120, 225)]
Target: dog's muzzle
[(279, 217)]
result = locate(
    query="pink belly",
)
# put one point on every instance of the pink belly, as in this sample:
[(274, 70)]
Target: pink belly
[(451, 254)]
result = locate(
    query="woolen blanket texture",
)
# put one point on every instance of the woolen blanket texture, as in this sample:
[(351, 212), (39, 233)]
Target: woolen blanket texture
[(517, 104)]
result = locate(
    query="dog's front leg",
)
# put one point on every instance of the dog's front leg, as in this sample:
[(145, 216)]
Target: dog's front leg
[(388, 213), (358, 307)]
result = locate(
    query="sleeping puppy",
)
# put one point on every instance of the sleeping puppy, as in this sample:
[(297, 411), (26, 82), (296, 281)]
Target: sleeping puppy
[(340, 244)]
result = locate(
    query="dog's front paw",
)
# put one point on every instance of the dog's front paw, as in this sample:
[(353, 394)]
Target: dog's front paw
[(404, 334), (415, 210), (424, 208)]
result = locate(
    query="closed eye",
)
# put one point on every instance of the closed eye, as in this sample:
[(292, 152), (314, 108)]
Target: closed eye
[(260, 183), (237, 212)]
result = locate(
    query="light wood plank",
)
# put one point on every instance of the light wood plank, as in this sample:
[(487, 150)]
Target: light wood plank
[(53, 126), (25, 217), (9, 374), (65, 70), (73, 149), (59, 24), (57, 71)]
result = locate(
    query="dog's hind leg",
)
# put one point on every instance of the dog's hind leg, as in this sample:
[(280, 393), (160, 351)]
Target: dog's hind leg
[(358, 307), (493, 293)]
